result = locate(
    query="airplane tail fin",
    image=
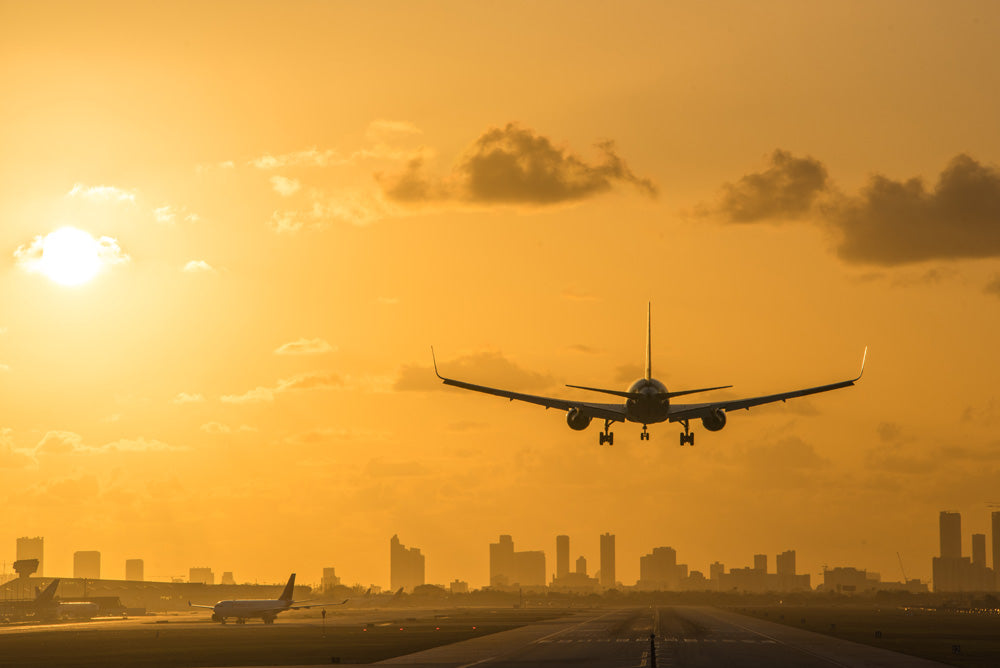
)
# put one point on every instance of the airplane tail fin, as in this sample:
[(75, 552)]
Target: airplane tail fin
[(286, 595), (649, 333), (47, 594)]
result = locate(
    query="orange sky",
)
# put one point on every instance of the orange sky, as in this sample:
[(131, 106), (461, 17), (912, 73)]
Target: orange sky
[(303, 198)]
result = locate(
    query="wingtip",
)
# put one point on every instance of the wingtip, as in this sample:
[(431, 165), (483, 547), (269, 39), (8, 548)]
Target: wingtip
[(864, 358), (434, 360)]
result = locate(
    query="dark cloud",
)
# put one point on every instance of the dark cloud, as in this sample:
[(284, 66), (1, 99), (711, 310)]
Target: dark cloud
[(896, 222), (489, 368), (514, 165), (786, 189)]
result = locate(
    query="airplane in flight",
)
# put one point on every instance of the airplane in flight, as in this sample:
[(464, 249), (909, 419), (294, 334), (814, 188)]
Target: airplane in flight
[(266, 609), (647, 402)]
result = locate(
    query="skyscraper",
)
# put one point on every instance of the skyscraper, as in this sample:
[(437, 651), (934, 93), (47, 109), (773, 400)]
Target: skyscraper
[(406, 566), (785, 563), (995, 536), (87, 564), (760, 563), (608, 561), (562, 556), (951, 535), (502, 561), (34, 548), (134, 570), (979, 549)]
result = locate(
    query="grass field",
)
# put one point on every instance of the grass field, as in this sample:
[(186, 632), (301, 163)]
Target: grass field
[(957, 638)]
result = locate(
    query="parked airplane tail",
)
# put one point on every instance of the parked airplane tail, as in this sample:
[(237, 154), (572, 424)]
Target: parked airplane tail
[(286, 595), (48, 594)]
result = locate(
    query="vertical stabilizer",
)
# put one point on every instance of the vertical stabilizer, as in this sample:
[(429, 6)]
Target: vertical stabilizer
[(649, 332), (286, 595), (48, 594)]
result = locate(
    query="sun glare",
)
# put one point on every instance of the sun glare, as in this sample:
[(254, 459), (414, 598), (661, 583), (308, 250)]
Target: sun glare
[(70, 256)]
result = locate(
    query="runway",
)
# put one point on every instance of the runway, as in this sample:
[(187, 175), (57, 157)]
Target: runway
[(684, 636)]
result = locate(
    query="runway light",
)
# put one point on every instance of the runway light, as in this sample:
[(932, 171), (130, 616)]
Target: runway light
[(400, 628)]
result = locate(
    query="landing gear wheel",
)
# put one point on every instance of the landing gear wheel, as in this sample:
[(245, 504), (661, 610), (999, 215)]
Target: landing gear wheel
[(606, 436), (687, 439), (644, 436)]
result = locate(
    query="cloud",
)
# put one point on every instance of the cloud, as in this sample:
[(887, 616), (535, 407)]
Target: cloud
[(285, 186), (220, 428), (304, 347), (381, 129), (787, 453), (11, 457), (310, 157), (168, 215), (185, 398), (102, 193), (514, 166), (584, 349), (67, 442), (30, 256), (255, 396), (356, 207), (490, 368), (197, 267), (896, 222), (786, 189), (311, 380)]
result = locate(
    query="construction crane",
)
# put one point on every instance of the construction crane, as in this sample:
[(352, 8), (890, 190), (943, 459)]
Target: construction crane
[(901, 568)]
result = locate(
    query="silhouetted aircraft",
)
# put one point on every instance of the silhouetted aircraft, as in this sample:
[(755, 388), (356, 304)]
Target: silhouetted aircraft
[(46, 606), (647, 402), (266, 609)]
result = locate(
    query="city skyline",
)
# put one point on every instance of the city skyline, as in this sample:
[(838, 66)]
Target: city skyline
[(278, 210)]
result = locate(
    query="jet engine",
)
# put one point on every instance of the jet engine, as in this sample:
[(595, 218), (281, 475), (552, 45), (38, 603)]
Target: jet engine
[(715, 421), (577, 420)]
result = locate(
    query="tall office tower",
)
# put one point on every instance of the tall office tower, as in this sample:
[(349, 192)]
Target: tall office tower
[(995, 536), (581, 565), (760, 563), (529, 568), (134, 570), (34, 548), (608, 561), (785, 563), (658, 569), (406, 566), (87, 564), (979, 549), (715, 569), (562, 556), (502, 562), (330, 579), (227, 578), (203, 574), (951, 535)]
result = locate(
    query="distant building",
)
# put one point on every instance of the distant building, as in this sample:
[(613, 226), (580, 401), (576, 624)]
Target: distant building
[(951, 535), (760, 563), (459, 587), (330, 579), (608, 561), (658, 570), (134, 570), (202, 574), (406, 566), (581, 565), (562, 556), (979, 549), (715, 570), (87, 564), (849, 580), (995, 536), (515, 569), (785, 563), (32, 548), (577, 582), (227, 578)]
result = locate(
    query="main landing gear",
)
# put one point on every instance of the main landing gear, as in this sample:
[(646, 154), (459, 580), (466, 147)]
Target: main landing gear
[(644, 436), (686, 437), (606, 436)]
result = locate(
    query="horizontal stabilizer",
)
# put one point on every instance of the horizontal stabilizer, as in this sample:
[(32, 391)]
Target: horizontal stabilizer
[(617, 393)]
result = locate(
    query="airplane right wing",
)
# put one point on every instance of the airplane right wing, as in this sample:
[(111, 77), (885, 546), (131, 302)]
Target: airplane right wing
[(680, 412), (195, 605), (613, 412)]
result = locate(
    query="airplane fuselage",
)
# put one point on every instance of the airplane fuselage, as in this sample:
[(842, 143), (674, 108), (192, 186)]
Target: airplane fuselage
[(248, 609), (651, 406)]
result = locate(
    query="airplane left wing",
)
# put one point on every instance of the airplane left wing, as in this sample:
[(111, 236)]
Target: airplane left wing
[(195, 605), (680, 412), (613, 412)]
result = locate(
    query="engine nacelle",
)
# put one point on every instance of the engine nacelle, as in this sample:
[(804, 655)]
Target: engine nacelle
[(577, 420), (715, 421)]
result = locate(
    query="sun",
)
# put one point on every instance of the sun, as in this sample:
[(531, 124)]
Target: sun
[(70, 256)]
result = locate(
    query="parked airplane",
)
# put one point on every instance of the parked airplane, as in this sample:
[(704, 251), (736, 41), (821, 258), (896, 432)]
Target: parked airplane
[(648, 402), (46, 606), (266, 609)]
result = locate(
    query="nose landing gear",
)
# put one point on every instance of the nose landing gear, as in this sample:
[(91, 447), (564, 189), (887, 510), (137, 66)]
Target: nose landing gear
[(644, 436)]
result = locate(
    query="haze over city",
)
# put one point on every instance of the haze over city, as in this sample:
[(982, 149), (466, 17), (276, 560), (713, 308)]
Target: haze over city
[(285, 207)]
